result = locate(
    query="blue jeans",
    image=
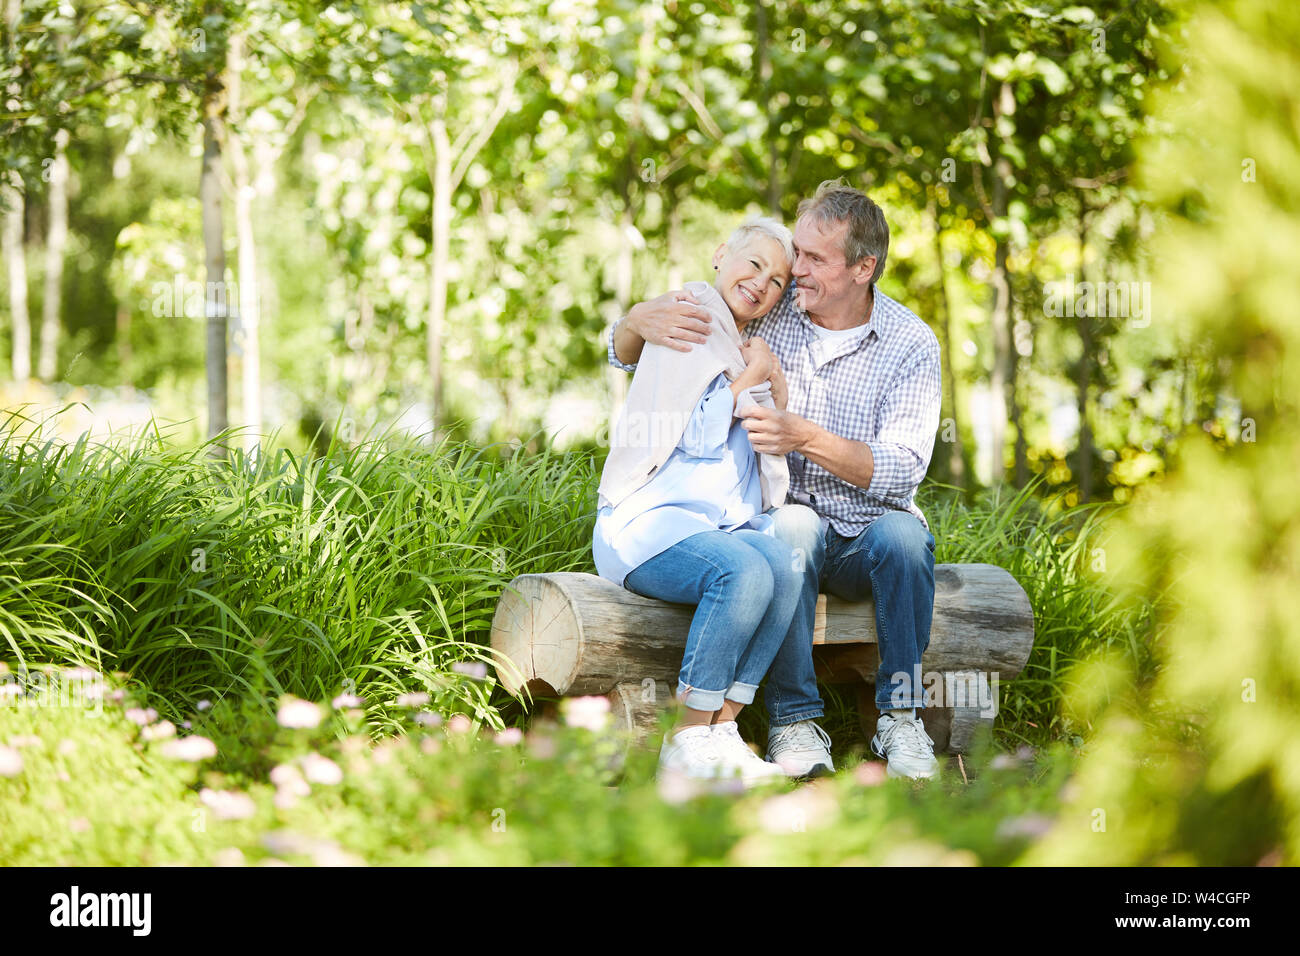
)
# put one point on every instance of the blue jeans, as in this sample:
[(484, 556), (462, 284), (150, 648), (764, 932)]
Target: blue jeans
[(892, 560), (746, 585)]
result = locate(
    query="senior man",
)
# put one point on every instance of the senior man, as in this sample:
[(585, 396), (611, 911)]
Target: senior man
[(864, 394)]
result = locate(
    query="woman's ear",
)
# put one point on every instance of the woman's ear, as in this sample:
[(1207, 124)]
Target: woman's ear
[(717, 256)]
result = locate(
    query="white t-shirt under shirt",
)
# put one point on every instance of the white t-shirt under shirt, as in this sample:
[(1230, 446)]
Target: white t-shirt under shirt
[(829, 340)]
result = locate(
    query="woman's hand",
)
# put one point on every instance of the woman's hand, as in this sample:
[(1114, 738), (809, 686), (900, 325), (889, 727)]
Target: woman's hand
[(759, 366), (760, 353), (759, 357)]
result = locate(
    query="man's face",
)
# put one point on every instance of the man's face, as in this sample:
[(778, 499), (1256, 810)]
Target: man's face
[(752, 278), (825, 279)]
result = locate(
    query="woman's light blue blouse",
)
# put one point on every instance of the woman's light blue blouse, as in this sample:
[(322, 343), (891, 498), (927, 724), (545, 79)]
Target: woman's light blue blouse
[(710, 482)]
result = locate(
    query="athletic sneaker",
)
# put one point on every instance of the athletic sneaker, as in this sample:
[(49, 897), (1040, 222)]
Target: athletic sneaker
[(801, 750), (692, 753), (738, 759), (901, 738)]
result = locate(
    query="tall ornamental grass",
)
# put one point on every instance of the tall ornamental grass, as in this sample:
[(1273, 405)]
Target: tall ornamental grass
[(375, 569), (372, 569)]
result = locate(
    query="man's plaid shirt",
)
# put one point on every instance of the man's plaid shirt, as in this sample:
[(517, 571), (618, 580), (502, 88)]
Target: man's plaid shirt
[(882, 388)]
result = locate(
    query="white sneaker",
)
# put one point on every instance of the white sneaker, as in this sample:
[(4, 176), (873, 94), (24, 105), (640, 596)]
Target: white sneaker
[(691, 753), (901, 738), (801, 750), (738, 759)]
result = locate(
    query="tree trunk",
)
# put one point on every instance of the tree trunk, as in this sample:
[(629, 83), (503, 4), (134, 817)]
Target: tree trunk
[(16, 263), (438, 260), (763, 41), (122, 337), (1017, 417), (675, 277), (249, 315), (216, 297), (1001, 349), (56, 242), (1083, 377), (956, 450)]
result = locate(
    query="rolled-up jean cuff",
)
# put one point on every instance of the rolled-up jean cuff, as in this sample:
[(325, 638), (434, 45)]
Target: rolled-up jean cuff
[(697, 699), (742, 693), (785, 721), (890, 704)]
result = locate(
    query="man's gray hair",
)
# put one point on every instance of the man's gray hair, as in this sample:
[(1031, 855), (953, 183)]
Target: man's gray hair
[(756, 226), (834, 202)]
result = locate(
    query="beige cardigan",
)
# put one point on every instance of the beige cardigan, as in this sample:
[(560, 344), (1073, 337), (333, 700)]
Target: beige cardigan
[(664, 392)]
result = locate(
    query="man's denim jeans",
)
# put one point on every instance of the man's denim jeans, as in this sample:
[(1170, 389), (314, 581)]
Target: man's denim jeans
[(892, 560), (746, 585)]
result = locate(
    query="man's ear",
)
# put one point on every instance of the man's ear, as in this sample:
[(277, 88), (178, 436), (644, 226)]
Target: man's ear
[(718, 255), (863, 270)]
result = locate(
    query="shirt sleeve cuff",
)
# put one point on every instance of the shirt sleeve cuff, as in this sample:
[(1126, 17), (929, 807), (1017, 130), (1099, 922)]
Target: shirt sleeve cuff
[(888, 470), (613, 356)]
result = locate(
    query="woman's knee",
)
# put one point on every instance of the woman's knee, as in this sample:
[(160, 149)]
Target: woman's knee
[(746, 575)]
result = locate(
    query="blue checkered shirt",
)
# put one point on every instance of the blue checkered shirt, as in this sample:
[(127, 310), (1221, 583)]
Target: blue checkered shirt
[(882, 388)]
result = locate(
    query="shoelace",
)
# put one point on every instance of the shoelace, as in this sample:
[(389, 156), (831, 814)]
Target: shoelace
[(804, 735), (906, 736)]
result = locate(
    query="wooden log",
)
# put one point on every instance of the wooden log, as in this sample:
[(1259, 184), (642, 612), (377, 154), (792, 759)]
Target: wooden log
[(572, 634), (636, 707)]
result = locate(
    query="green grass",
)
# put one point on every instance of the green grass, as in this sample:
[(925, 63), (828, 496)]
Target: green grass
[(375, 568), (95, 788)]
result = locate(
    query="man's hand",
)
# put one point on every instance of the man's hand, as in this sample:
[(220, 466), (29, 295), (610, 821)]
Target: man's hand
[(780, 390), (673, 319), (774, 431)]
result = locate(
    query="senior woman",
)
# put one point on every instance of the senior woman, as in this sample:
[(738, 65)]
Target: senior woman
[(682, 502)]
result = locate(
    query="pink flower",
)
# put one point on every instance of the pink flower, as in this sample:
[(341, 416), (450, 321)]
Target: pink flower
[(203, 705), (459, 724), (321, 770), (474, 669), (346, 700), (141, 716), (430, 745), (159, 731), (589, 712), (228, 856), (228, 804), (25, 740), (418, 699), (427, 718), (510, 737), (869, 773), (11, 762), (193, 748), (285, 774), (298, 713)]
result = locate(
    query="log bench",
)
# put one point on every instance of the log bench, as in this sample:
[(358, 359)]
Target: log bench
[(570, 634)]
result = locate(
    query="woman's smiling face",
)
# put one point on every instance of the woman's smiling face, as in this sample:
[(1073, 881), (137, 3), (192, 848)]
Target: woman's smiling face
[(752, 277)]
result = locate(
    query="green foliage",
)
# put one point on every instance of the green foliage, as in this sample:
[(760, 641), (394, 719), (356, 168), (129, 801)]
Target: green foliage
[(375, 566), (97, 781), (1204, 771)]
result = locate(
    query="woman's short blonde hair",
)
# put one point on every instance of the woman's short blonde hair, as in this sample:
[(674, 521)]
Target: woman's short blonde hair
[(765, 226)]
